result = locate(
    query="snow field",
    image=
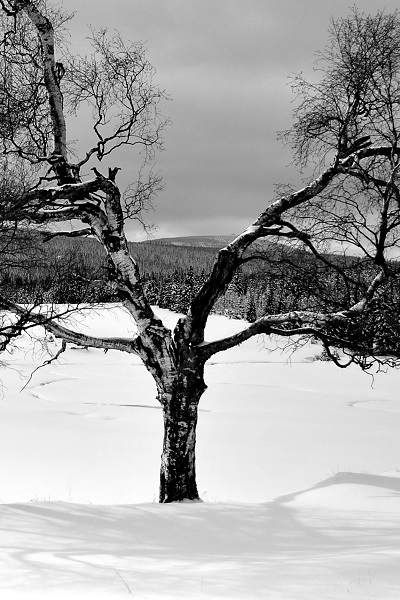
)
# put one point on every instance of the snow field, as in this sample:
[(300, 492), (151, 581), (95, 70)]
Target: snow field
[(297, 464)]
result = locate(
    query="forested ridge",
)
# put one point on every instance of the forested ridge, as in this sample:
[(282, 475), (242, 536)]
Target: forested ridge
[(67, 270)]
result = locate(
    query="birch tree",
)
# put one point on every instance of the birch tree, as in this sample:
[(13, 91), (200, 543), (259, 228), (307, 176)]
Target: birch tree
[(346, 121)]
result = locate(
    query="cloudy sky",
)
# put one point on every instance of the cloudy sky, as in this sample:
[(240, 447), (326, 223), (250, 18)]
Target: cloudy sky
[(225, 65)]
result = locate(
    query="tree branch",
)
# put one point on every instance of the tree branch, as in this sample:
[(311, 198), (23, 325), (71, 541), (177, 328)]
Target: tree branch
[(301, 322), (47, 362), (267, 325), (230, 257), (45, 32), (49, 322), (49, 235)]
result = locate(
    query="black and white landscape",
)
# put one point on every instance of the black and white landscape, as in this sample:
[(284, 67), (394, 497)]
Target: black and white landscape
[(297, 467)]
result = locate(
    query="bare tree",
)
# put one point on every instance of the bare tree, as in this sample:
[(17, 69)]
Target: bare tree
[(347, 121)]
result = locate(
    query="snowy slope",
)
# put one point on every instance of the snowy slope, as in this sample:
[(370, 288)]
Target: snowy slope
[(79, 476)]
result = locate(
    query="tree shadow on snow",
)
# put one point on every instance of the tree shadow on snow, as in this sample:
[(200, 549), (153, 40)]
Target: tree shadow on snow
[(182, 548)]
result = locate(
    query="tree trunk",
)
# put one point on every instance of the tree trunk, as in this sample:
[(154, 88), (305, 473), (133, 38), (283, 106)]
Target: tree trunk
[(178, 468)]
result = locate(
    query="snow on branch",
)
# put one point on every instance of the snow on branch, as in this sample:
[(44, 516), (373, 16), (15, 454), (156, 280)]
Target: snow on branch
[(51, 324)]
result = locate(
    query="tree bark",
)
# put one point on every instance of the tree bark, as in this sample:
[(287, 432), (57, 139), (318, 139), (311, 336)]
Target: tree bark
[(178, 463)]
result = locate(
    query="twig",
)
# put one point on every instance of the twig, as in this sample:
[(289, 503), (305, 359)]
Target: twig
[(118, 574), (47, 362)]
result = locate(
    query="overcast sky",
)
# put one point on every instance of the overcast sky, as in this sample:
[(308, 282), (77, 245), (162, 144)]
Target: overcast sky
[(225, 65)]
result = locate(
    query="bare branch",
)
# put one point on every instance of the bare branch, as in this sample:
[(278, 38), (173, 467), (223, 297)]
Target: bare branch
[(295, 322), (51, 323), (49, 235), (46, 362)]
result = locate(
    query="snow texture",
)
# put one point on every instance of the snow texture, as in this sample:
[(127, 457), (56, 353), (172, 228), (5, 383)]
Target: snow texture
[(297, 466)]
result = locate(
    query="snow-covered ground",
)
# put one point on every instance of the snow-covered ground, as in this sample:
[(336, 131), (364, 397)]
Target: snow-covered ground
[(298, 466)]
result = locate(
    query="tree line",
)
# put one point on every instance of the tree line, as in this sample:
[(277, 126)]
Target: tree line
[(68, 271)]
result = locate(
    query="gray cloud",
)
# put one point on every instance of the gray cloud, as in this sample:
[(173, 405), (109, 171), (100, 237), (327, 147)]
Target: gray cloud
[(225, 64)]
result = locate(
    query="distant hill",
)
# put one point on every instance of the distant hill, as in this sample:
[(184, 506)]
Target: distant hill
[(212, 242), (204, 241)]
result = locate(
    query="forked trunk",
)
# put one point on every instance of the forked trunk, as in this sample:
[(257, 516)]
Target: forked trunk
[(178, 464)]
